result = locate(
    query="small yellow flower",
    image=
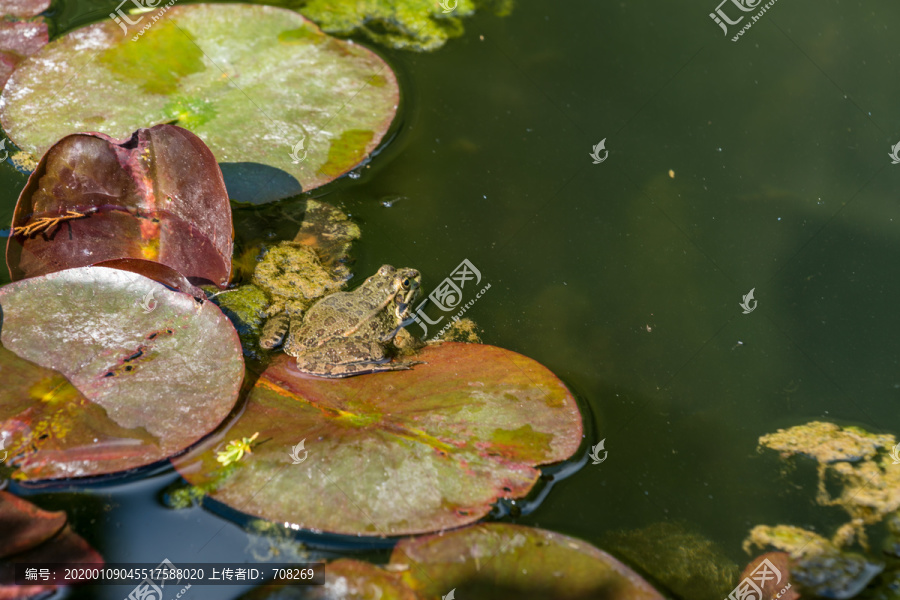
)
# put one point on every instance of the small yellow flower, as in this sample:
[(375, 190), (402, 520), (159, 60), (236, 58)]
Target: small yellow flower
[(234, 451)]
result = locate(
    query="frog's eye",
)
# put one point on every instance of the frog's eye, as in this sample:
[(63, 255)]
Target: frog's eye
[(405, 284)]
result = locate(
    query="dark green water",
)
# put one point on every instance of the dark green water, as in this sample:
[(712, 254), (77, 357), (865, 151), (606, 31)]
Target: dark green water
[(623, 280)]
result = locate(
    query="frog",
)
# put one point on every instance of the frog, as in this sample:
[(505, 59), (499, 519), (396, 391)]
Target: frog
[(293, 278), (354, 332)]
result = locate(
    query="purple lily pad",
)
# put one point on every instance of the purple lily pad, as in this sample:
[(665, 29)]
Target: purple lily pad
[(395, 453), (123, 372), (157, 197), (497, 560)]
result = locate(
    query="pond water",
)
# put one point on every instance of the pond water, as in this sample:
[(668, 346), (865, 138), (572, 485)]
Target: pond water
[(758, 164)]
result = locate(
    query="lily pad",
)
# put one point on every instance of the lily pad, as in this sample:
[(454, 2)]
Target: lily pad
[(24, 525), (23, 8), (394, 453), (499, 560), (19, 39), (258, 84), (105, 370), (157, 197), (32, 535), (343, 579)]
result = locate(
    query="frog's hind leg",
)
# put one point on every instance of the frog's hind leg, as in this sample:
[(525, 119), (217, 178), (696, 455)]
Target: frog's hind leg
[(357, 358), (274, 331)]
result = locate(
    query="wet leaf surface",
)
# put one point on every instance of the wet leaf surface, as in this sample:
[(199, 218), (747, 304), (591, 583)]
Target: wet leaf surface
[(23, 8), (258, 84), (499, 560), (94, 383), (399, 452), (19, 39), (157, 197)]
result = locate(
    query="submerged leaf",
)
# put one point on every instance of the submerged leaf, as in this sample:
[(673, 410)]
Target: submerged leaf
[(395, 453), (257, 84), (123, 372), (157, 197)]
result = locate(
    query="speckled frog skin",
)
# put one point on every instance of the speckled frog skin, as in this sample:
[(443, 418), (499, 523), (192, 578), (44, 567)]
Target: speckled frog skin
[(349, 333)]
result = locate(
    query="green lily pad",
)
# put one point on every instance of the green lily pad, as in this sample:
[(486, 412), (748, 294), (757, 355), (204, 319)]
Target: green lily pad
[(258, 84), (394, 453), (106, 370), (499, 560)]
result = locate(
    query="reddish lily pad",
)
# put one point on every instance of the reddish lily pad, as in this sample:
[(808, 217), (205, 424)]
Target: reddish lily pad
[(156, 197), (24, 525), (125, 372), (511, 561), (23, 8), (258, 84), (32, 535), (395, 453), (19, 39)]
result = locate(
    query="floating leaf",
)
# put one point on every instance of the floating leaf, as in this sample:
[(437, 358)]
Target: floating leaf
[(399, 452), (343, 579), (499, 560), (19, 39), (157, 197), (31, 535), (24, 525), (258, 84), (23, 8), (123, 372)]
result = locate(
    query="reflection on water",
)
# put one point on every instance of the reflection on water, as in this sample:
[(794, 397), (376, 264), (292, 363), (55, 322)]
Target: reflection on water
[(627, 281)]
